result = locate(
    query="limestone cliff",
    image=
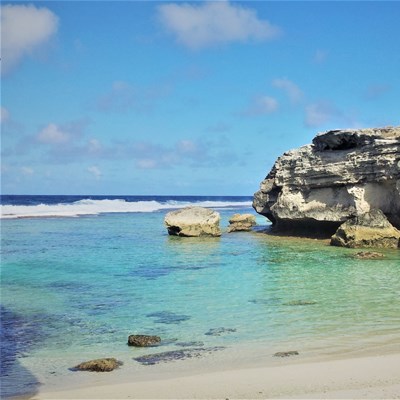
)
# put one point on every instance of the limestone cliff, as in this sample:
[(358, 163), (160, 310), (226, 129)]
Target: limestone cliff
[(342, 174)]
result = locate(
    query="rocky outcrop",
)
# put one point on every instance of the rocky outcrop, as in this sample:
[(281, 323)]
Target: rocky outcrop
[(193, 221), (99, 365), (143, 340), (342, 174), (241, 222), (371, 229)]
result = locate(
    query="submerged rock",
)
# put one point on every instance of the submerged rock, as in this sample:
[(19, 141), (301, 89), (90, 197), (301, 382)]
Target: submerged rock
[(241, 222), (344, 173), (371, 229), (286, 353), (99, 365), (193, 222), (368, 255), (168, 317), (174, 355), (219, 331), (300, 303), (143, 340)]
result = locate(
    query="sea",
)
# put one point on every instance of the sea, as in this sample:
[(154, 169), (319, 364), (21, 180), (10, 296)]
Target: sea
[(79, 274)]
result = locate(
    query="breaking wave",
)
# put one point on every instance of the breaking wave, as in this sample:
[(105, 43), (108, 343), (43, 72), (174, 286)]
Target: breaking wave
[(96, 207)]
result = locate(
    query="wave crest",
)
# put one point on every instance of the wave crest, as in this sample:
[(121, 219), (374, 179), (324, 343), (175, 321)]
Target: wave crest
[(96, 207)]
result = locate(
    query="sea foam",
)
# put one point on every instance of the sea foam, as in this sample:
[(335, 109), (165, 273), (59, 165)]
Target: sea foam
[(96, 207)]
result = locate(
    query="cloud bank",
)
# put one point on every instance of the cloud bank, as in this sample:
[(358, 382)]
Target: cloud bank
[(214, 23), (24, 29)]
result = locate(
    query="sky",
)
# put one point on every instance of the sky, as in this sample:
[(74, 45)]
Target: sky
[(184, 98)]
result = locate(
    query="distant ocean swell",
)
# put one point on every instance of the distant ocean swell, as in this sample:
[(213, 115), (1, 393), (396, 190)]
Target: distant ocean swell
[(102, 206)]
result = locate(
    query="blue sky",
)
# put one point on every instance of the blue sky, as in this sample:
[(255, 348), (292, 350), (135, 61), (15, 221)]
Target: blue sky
[(184, 98)]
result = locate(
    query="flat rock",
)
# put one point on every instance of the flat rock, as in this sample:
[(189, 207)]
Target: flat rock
[(371, 229), (193, 222), (143, 340), (241, 222), (99, 365), (342, 174)]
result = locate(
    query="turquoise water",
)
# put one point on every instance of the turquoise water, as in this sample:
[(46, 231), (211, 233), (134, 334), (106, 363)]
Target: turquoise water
[(75, 288)]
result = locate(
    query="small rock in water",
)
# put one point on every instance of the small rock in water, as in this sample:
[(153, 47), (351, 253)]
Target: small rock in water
[(300, 303), (143, 340), (241, 222), (368, 255), (286, 353), (219, 331), (99, 365)]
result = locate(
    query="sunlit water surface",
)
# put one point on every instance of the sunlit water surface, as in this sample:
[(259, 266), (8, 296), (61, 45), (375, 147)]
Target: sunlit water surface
[(73, 289)]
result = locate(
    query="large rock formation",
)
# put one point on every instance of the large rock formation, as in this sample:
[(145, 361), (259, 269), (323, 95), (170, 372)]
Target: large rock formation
[(193, 221), (342, 174)]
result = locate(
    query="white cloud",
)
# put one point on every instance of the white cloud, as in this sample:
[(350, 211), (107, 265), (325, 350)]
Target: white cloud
[(212, 23), (290, 88), (4, 115), (261, 106), (24, 29), (319, 113), (52, 134), (95, 171)]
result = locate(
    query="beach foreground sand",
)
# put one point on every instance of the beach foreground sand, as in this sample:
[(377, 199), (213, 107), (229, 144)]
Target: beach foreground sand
[(372, 377)]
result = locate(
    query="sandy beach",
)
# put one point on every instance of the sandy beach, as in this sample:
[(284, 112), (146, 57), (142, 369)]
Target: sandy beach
[(371, 377)]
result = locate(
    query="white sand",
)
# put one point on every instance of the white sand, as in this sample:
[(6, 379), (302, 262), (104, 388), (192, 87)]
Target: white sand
[(373, 377)]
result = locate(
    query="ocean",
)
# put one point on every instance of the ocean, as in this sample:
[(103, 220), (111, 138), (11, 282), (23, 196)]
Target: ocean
[(79, 274)]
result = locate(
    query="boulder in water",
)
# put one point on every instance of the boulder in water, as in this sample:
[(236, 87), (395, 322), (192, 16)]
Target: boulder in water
[(99, 365), (193, 222)]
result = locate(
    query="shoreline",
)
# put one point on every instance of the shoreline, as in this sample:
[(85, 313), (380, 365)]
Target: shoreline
[(368, 376)]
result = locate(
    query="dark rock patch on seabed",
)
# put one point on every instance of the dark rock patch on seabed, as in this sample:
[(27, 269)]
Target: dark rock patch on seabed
[(264, 301), (300, 303), (151, 272), (219, 331), (175, 355), (168, 317), (189, 344), (368, 255), (286, 353)]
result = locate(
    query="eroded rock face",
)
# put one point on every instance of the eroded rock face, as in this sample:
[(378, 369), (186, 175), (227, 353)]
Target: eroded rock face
[(241, 222), (193, 221), (371, 229), (344, 173)]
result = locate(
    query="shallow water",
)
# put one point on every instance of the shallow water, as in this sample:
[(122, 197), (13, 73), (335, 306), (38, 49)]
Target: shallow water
[(75, 289)]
